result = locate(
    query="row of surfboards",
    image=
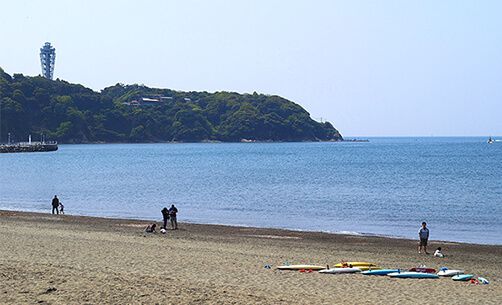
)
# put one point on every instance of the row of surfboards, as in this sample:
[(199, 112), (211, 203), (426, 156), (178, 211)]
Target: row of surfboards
[(372, 269)]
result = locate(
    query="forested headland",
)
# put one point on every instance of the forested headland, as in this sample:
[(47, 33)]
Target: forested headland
[(72, 113)]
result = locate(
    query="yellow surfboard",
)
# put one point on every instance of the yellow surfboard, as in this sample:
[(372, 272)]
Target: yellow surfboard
[(355, 264), (365, 268)]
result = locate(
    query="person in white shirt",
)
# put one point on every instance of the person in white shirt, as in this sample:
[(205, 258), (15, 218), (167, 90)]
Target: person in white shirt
[(423, 234), (438, 253)]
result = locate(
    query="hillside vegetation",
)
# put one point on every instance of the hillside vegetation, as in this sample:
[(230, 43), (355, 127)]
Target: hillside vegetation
[(72, 113)]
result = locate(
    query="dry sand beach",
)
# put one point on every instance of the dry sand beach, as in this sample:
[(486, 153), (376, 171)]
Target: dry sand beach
[(49, 259)]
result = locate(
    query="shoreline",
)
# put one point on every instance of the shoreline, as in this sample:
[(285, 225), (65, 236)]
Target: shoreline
[(234, 227), (65, 259), (221, 142), (362, 139)]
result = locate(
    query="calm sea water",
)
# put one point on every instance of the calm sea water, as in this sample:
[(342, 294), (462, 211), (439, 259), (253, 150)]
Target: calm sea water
[(385, 187)]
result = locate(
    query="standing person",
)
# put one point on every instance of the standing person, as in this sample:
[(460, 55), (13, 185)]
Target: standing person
[(55, 204), (423, 234), (165, 216), (61, 207), (172, 215)]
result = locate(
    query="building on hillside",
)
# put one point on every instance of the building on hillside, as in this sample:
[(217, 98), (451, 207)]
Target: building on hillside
[(149, 101), (48, 60)]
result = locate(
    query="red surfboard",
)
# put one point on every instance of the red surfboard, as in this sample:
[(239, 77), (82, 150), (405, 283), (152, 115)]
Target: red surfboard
[(423, 270)]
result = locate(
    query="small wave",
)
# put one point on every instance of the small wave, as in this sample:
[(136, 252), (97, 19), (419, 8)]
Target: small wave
[(349, 233)]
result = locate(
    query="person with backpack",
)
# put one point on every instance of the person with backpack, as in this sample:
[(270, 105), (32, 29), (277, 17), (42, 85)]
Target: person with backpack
[(165, 217)]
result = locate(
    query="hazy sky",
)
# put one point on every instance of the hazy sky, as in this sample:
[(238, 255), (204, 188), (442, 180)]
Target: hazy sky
[(369, 67)]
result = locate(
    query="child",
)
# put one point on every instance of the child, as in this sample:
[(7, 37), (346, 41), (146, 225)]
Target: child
[(151, 228), (61, 208), (438, 253)]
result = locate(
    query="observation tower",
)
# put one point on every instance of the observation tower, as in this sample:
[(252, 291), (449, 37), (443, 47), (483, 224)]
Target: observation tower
[(47, 60)]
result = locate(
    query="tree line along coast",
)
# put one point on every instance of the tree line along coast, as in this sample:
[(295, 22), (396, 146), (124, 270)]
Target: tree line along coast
[(72, 113)]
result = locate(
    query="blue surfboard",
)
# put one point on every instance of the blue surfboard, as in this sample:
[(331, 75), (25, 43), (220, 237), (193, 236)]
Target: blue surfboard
[(462, 277), (379, 272), (413, 275)]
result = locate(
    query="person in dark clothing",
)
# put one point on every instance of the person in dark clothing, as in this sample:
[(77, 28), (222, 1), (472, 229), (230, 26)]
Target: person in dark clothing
[(165, 216), (423, 235), (55, 204), (151, 228), (172, 215)]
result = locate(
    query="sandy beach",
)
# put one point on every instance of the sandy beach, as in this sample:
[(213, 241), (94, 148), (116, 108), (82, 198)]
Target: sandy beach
[(63, 259)]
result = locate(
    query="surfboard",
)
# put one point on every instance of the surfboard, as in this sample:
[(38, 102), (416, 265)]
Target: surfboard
[(423, 270), (462, 277), (300, 267), (413, 275), (380, 272), (340, 270), (449, 272), (354, 264), (366, 268)]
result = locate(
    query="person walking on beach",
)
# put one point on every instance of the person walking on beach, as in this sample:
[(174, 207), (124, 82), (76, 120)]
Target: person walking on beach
[(165, 216), (423, 234), (61, 207), (172, 215), (55, 204)]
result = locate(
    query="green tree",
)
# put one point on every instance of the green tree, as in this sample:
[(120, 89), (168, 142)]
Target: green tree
[(138, 134), (72, 113), (64, 131)]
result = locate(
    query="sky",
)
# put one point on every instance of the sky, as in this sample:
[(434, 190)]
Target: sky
[(372, 68)]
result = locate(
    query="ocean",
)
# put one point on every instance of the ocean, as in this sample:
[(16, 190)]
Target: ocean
[(385, 187)]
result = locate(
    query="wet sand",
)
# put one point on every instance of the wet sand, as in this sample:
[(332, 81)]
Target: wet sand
[(65, 259)]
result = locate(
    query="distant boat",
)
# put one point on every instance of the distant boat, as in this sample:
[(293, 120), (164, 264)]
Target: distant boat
[(490, 140)]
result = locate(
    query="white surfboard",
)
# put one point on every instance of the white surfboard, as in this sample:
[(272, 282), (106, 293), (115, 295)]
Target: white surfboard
[(450, 272), (300, 267), (340, 270), (413, 275)]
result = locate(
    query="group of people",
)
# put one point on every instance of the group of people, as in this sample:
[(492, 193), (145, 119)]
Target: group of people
[(167, 214), (170, 214), (57, 206), (423, 235)]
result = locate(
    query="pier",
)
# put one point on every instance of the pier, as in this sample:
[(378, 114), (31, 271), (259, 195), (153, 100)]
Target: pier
[(28, 147)]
